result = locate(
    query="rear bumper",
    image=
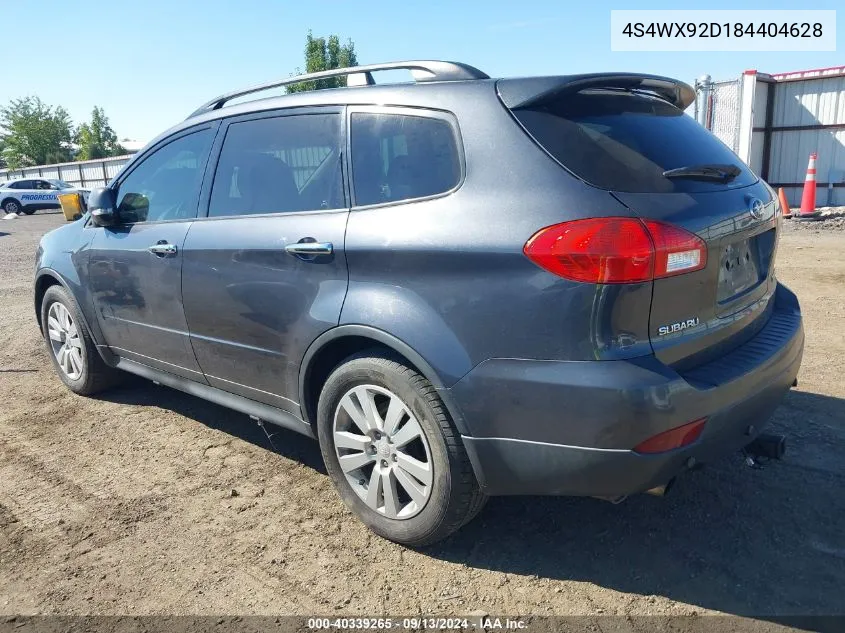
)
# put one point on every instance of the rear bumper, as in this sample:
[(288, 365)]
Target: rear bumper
[(567, 428)]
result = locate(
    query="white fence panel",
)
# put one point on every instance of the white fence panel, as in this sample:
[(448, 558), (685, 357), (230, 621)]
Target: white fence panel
[(114, 167), (88, 173)]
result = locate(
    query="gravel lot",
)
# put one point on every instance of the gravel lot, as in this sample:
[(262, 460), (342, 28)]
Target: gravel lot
[(148, 501)]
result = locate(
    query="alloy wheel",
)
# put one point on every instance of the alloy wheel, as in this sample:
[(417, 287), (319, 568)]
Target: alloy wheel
[(383, 451), (64, 340)]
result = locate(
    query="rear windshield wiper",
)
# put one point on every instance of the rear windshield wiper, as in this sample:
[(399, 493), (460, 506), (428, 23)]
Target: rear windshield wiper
[(723, 173)]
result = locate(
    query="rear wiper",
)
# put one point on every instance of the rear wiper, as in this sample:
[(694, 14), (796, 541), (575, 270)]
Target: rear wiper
[(724, 173)]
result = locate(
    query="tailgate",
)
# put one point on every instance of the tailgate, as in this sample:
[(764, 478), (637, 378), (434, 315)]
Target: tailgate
[(633, 141), (701, 315)]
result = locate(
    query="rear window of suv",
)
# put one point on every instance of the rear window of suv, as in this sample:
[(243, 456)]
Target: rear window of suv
[(625, 141), (401, 157)]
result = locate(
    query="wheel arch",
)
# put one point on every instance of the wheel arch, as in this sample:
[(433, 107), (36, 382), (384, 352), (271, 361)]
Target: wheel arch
[(44, 280), (333, 346), (7, 198)]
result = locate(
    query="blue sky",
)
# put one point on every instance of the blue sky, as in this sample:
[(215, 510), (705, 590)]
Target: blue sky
[(150, 63)]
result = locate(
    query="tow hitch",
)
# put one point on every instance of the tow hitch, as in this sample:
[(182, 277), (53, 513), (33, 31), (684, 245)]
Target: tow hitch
[(765, 447)]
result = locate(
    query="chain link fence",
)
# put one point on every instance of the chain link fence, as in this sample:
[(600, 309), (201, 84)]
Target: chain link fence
[(726, 98)]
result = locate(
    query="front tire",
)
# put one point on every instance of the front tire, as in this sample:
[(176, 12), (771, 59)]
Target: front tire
[(393, 453), (72, 350)]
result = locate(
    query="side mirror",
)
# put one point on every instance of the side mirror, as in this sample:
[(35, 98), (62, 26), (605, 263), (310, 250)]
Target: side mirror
[(134, 208), (101, 205)]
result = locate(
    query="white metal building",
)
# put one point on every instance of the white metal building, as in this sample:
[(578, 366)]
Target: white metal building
[(773, 122)]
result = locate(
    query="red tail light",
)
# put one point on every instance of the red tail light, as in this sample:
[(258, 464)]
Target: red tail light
[(676, 251), (673, 438), (616, 250)]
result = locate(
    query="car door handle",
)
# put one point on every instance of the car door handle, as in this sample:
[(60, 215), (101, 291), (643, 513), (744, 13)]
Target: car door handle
[(163, 249), (310, 248)]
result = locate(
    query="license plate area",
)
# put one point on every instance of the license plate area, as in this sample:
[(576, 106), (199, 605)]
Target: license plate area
[(739, 269)]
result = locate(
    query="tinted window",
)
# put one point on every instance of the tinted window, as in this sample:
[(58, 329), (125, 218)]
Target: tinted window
[(165, 185), (278, 165), (22, 184), (624, 142), (398, 157)]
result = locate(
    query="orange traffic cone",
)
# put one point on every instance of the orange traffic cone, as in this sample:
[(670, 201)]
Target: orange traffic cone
[(784, 203), (808, 198)]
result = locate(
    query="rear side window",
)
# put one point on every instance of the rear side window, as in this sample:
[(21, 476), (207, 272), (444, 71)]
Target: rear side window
[(279, 165), (400, 157), (624, 142)]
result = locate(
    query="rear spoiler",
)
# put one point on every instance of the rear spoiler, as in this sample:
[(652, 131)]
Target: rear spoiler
[(522, 93)]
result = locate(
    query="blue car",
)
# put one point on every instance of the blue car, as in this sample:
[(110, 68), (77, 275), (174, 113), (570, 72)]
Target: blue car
[(460, 286)]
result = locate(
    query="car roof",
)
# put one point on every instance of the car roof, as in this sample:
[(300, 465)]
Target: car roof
[(437, 85), (436, 95)]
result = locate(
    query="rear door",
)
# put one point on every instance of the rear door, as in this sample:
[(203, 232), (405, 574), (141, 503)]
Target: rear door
[(625, 142), (265, 271)]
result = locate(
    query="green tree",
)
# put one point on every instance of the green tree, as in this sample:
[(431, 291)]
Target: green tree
[(97, 138), (325, 54), (34, 133)]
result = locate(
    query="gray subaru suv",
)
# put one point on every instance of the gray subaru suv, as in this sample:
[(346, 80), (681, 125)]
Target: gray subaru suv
[(461, 286)]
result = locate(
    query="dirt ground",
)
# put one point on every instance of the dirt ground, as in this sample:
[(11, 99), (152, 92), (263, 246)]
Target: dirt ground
[(149, 501)]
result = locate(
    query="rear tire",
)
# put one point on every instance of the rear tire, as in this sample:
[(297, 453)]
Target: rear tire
[(11, 206), (403, 508), (71, 348)]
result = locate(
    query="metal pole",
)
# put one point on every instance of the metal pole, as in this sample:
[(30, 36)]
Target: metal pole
[(703, 90)]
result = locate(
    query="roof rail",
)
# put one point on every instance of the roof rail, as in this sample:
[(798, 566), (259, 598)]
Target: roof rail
[(359, 76)]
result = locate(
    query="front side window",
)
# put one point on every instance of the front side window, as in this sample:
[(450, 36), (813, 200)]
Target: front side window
[(279, 165), (165, 185), (400, 157)]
